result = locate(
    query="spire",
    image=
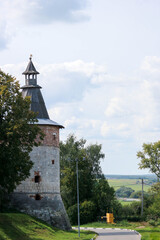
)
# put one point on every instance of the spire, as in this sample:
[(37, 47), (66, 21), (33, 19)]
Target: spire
[(30, 68), (32, 90)]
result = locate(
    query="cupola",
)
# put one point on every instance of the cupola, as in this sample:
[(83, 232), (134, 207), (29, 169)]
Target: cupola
[(30, 73)]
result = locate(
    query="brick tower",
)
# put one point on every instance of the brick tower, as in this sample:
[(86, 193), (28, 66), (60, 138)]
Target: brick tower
[(39, 195)]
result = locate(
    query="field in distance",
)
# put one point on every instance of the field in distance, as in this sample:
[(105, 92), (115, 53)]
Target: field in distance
[(135, 184), (131, 181)]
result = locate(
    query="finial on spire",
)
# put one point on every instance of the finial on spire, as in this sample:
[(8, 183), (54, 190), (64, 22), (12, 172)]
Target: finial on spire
[(30, 68), (30, 58)]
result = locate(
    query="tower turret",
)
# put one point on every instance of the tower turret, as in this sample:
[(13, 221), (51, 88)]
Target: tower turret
[(33, 90), (39, 195), (30, 73)]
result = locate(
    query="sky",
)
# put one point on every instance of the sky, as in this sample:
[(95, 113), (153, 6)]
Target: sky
[(99, 64)]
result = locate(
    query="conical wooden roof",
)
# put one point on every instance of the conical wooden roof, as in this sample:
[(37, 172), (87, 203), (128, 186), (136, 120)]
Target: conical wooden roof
[(30, 68), (32, 90)]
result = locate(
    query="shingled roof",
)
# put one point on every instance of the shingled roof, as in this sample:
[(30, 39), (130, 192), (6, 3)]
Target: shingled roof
[(37, 102), (32, 90), (30, 68)]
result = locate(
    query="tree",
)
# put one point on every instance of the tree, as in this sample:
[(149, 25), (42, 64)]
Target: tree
[(18, 132), (94, 191), (153, 208), (89, 169), (150, 157), (104, 197), (124, 192)]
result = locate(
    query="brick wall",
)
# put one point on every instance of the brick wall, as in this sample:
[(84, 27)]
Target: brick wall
[(51, 135)]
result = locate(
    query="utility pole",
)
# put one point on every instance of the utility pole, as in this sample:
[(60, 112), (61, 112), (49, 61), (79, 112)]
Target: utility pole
[(78, 199), (142, 199)]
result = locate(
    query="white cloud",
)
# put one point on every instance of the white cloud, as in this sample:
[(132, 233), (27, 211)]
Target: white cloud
[(124, 112), (105, 128), (16, 14), (114, 107), (46, 11), (151, 64)]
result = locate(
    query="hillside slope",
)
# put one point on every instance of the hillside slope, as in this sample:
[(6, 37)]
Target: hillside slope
[(18, 226)]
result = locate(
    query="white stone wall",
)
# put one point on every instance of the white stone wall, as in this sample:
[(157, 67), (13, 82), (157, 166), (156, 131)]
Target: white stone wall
[(46, 165)]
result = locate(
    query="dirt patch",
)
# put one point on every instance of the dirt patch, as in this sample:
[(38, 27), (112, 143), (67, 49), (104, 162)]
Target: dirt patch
[(141, 227)]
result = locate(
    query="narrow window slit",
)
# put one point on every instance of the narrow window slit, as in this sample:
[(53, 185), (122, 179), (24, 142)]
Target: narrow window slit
[(37, 179)]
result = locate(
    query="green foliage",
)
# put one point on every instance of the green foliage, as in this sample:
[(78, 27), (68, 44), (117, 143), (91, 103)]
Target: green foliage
[(103, 197), (150, 157), (138, 194), (72, 214), (155, 188), (69, 152), (130, 212), (88, 169), (154, 223), (124, 192), (18, 132), (124, 223), (87, 212), (93, 188), (153, 210)]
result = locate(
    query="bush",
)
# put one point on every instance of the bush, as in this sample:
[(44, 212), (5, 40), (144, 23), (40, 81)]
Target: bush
[(124, 223), (130, 212), (72, 214), (137, 194), (153, 223), (87, 212)]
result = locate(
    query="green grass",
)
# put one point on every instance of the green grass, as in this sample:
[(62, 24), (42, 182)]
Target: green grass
[(148, 232), (18, 226), (135, 184), (124, 203)]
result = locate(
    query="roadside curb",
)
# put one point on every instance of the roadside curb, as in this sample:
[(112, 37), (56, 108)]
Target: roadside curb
[(82, 228), (91, 228)]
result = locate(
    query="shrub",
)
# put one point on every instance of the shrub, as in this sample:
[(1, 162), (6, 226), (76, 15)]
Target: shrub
[(153, 222), (72, 214), (87, 212), (124, 223)]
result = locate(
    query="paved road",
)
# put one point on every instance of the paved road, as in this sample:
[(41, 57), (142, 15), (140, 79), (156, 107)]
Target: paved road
[(114, 234)]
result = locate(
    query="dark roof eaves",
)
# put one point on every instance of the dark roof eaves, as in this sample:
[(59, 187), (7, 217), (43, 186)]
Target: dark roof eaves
[(48, 124), (30, 72), (30, 86)]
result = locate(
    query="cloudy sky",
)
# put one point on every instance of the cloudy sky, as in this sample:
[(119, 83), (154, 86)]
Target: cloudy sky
[(100, 68)]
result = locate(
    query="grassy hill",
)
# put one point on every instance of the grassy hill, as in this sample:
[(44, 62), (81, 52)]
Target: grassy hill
[(18, 226), (132, 181), (135, 184)]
